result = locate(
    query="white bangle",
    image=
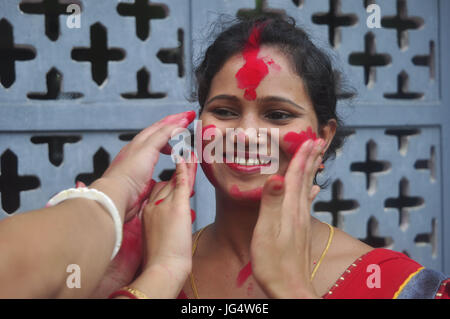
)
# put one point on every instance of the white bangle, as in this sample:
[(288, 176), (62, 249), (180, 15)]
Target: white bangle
[(90, 193)]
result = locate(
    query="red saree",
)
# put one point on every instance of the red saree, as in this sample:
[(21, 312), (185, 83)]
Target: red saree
[(399, 277)]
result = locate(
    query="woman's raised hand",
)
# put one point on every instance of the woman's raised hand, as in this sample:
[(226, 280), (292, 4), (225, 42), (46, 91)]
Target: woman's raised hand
[(281, 245), (129, 176)]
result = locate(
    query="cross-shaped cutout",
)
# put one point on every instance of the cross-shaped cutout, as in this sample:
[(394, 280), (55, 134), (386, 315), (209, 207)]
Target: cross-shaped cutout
[(404, 203), (429, 238), (428, 163), (403, 136), (337, 204), (55, 146), (143, 85), (369, 59), (51, 9), (402, 23), (368, 3), (371, 166), (403, 89), (174, 55), (10, 53), (166, 174), (427, 60), (373, 239), (11, 184), (261, 7), (101, 163), (98, 54), (54, 87), (335, 19), (143, 12), (298, 3), (127, 136)]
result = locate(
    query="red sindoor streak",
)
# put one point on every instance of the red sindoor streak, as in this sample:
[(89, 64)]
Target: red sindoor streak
[(255, 69)]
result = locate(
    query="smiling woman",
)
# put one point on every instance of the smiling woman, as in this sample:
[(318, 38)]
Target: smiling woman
[(264, 74)]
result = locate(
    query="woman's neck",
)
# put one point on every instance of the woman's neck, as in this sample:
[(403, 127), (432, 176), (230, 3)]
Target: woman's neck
[(234, 224)]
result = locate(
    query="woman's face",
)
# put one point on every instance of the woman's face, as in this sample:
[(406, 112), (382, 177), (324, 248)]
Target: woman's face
[(281, 102)]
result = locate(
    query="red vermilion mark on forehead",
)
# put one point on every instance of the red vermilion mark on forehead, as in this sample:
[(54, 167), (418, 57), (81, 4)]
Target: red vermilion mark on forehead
[(297, 139), (254, 69), (244, 274), (253, 194)]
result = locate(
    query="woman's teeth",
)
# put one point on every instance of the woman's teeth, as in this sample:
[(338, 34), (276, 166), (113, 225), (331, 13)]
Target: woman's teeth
[(251, 161)]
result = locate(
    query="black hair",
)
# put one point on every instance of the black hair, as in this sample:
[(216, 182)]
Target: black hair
[(322, 82)]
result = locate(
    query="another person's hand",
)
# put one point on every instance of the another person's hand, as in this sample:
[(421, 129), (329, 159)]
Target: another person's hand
[(167, 234), (130, 173), (281, 245)]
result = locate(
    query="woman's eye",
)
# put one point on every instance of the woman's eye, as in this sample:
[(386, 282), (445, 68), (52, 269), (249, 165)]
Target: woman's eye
[(277, 115), (224, 112)]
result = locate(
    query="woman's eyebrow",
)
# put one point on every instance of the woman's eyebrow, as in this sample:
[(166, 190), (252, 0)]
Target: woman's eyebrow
[(268, 99), (231, 98)]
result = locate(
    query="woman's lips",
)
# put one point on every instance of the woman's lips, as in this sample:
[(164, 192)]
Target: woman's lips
[(245, 168)]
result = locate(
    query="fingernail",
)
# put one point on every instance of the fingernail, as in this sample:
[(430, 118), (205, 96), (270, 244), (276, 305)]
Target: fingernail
[(187, 118), (278, 182)]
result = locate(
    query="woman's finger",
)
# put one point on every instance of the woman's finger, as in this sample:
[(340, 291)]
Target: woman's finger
[(294, 173), (182, 189), (192, 171), (271, 202), (315, 190)]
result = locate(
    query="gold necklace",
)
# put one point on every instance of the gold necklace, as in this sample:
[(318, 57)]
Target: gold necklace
[(316, 267)]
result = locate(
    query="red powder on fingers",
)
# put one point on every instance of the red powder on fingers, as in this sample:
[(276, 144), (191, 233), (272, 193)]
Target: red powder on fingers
[(186, 117), (297, 139), (279, 182), (254, 69), (244, 274), (193, 215), (129, 256), (253, 194), (159, 201)]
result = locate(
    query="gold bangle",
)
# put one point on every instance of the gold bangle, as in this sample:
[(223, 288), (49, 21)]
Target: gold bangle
[(135, 292)]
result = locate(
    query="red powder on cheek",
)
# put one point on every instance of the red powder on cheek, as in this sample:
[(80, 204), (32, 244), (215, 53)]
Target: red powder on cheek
[(297, 139), (255, 69), (254, 194), (244, 274)]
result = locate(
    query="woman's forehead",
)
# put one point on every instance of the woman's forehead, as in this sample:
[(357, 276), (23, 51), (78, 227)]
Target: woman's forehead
[(280, 79)]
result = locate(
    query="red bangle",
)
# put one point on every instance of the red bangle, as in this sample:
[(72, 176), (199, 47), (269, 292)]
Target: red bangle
[(122, 292)]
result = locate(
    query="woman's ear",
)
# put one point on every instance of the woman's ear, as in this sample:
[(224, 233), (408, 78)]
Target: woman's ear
[(328, 131)]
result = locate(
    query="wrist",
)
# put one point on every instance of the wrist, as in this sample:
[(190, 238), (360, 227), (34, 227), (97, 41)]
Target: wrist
[(113, 190), (158, 282)]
